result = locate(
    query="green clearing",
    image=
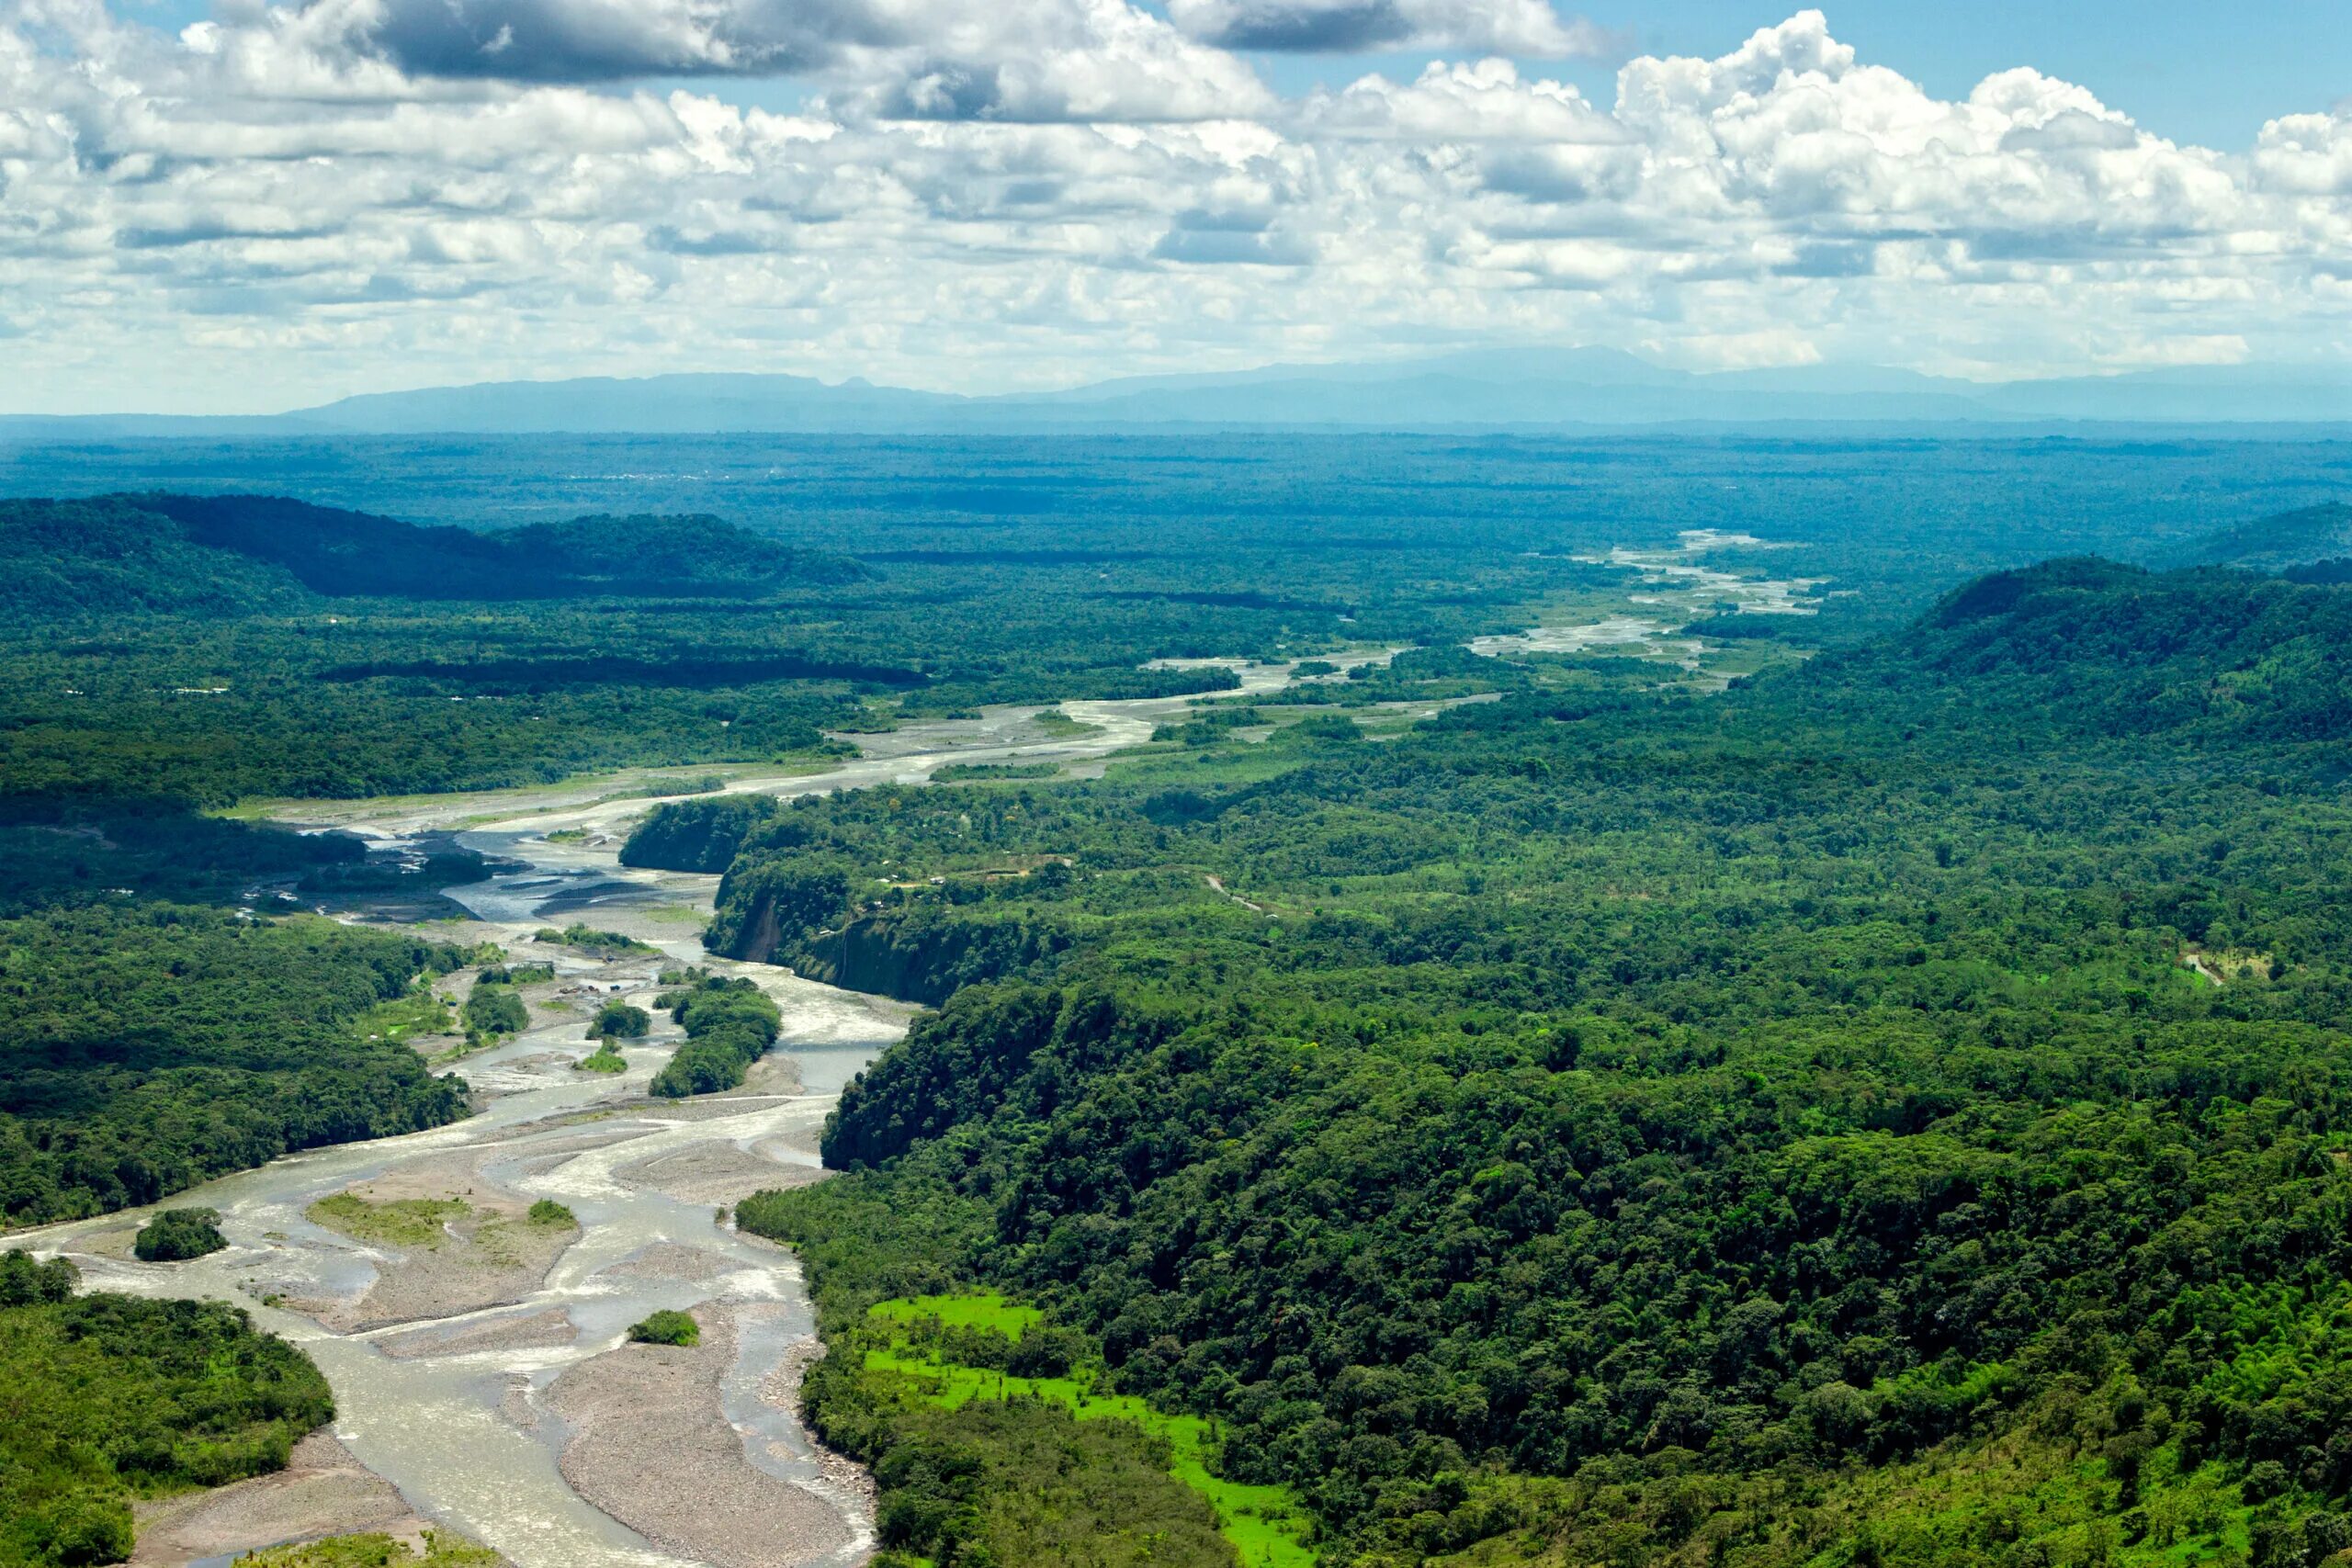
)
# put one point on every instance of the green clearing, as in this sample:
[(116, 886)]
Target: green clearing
[(421, 1012), (1264, 1523), (983, 1310), (395, 1221)]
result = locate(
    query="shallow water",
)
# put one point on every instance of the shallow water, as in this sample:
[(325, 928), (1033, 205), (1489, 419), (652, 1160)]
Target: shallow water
[(1682, 587)]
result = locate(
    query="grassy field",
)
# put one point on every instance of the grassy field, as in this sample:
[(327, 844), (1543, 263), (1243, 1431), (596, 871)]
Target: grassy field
[(421, 1011), (1264, 1523), (402, 1222)]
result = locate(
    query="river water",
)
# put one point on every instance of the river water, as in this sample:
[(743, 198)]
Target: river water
[(468, 1438)]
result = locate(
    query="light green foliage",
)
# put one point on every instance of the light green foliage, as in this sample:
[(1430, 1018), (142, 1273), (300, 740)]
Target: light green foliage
[(442, 1550), (1263, 1523), (604, 944), (394, 1222), (1055, 722), (420, 1011), (606, 1058)]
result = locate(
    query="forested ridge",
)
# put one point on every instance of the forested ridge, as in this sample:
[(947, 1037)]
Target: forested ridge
[(149, 1047), (1890, 1112), (105, 1398)]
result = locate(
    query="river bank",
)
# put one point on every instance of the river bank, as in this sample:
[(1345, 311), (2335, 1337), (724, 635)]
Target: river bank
[(449, 1351)]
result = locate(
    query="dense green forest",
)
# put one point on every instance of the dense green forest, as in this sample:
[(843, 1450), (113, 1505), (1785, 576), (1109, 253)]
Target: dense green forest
[(105, 1398), (220, 649), (1894, 1109), (1861, 1085), (149, 1047)]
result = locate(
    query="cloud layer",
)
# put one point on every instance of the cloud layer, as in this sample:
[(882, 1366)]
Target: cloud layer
[(292, 202)]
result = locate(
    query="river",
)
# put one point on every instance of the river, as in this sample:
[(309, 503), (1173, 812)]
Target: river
[(457, 1403)]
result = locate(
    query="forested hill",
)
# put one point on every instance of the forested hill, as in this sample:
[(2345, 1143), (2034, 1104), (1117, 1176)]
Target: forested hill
[(2288, 539), (225, 554), (1897, 1112), (2214, 655)]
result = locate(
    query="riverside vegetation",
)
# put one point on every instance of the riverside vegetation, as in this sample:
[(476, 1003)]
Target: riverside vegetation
[(1600, 1123), (1812, 1124)]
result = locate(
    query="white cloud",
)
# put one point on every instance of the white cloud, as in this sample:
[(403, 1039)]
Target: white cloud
[(285, 203)]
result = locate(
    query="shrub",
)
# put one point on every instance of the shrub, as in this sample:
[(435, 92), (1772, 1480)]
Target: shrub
[(617, 1017), (666, 1327), (179, 1234)]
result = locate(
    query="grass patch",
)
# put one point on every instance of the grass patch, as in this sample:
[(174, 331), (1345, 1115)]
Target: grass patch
[(442, 1550), (1056, 723), (421, 1012), (398, 1221), (604, 1058), (976, 1309)]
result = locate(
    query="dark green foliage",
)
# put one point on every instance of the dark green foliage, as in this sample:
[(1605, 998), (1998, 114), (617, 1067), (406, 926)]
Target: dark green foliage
[(698, 835), (548, 1212), (2288, 539), (617, 1019), (177, 1235), (666, 1327), (492, 1009), (349, 554), (992, 1484), (65, 849), (776, 902), (446, 868), (145, 1050), (584, 939), (730, 1025), (1708, 1101), (109, 1397)]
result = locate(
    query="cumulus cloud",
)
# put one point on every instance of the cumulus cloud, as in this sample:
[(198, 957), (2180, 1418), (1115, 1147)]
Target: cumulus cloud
[(291, 201), (1528, 27)]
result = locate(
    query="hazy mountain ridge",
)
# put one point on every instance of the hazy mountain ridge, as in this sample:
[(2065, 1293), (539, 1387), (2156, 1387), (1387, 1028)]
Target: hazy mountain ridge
[(1488, 389), (2280, 542), (222, 554)]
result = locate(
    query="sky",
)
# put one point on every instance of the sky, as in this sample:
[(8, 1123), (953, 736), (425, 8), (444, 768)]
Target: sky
[(246, 206)]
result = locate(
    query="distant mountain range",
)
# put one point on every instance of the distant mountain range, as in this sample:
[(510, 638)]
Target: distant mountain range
[(1488, 389)]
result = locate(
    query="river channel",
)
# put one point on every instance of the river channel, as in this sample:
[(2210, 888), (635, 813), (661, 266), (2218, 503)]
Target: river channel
[(506, 1405), (483, 1382)]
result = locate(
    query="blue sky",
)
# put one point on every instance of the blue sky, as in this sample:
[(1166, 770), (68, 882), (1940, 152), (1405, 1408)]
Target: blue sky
[(256, 204), (2189, 70)]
